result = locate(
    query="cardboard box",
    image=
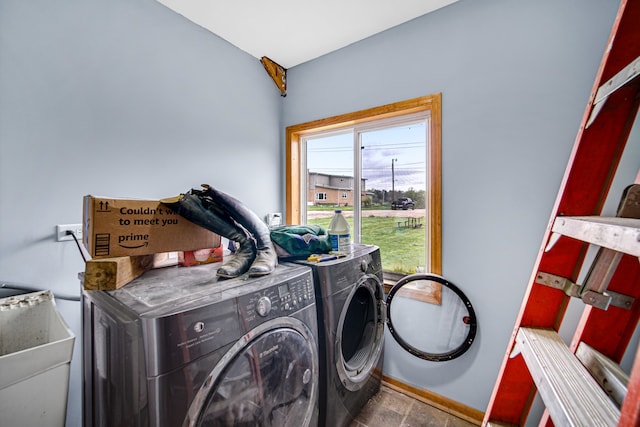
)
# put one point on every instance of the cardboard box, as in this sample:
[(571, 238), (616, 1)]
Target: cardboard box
[(127, 227)]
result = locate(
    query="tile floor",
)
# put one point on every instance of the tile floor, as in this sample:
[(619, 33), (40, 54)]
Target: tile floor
[(392, 408)]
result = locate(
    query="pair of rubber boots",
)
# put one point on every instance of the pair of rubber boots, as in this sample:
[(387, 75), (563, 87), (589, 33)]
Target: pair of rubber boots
[(228, 217)]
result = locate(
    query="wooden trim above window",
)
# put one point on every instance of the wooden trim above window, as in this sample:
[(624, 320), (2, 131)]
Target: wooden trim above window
[(432, 103)]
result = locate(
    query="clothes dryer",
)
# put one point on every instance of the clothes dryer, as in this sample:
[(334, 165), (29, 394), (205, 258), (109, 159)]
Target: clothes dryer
[(177, 347), (350, 299), (425, 314)]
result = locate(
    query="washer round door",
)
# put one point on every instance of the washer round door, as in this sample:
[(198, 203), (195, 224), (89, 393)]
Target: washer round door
[(430, 317), (360, 333), (268, 378)]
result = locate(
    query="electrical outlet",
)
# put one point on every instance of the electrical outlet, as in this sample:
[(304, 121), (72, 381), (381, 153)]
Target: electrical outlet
[(274, 219), (61, 232)]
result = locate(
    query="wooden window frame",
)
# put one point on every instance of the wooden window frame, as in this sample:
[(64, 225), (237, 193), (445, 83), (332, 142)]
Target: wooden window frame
[(431, 103)]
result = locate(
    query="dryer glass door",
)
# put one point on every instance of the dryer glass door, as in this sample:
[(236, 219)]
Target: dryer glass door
[(430, 317), (267, 383)]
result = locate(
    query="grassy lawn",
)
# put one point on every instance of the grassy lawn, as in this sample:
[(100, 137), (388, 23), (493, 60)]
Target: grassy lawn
[(402, 249)]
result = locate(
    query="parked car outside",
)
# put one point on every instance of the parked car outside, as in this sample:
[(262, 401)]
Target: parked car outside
[(403, 203)]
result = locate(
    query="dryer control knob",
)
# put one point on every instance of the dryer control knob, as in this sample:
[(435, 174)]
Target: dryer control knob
[(263, 307), (364, 265)]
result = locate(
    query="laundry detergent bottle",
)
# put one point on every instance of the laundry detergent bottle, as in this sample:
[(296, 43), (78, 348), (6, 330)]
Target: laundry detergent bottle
[(339, 234)]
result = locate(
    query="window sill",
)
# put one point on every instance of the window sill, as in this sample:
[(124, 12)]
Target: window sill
[(390, 279)]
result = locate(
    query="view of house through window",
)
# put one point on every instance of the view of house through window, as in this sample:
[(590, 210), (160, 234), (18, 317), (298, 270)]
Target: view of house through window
[(382, 168), (389, 159)]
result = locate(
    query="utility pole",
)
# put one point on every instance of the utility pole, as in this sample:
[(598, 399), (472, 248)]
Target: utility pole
[(393, 181)]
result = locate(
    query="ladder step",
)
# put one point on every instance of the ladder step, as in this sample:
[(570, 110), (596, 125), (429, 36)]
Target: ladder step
[(613, 380), (570, 394), (619, 234), (626, 75)]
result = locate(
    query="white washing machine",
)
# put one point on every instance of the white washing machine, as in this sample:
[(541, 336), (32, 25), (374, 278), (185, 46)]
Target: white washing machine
[(178, 347)]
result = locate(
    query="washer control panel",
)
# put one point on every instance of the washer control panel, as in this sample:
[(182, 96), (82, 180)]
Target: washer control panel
[(263, 307), (295, 295), (278, 300)]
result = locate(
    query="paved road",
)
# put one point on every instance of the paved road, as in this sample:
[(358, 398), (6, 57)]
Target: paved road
[(416, 213)]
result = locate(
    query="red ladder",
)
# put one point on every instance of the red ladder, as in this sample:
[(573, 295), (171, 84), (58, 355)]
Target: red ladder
[(605, 127)]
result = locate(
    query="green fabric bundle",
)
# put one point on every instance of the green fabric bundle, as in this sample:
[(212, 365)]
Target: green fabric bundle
[(300, 241)]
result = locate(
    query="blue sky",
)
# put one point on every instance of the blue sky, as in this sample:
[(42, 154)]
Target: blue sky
[(334, 155)]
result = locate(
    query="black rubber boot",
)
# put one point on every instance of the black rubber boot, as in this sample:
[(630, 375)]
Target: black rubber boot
[(266, 257), (202, 212)]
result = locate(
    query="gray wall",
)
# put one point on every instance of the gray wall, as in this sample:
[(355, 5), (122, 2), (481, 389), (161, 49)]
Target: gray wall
[(119, 98), (124, 98), (515, 77)]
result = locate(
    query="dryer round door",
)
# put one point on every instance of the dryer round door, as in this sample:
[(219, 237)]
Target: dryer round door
[(268, 378), (430, 317), (360, 334)]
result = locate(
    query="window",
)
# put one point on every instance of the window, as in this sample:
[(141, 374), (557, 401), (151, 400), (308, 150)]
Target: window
[(375, 157), (321, 196)]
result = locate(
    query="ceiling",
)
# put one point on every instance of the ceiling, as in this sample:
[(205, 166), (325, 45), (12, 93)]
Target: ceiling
[(291, 32)]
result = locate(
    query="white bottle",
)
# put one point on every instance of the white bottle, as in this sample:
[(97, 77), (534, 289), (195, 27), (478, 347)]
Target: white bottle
[(339, 234)]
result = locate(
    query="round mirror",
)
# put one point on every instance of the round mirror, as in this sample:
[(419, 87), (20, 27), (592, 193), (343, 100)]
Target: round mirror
[(430, 317)]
